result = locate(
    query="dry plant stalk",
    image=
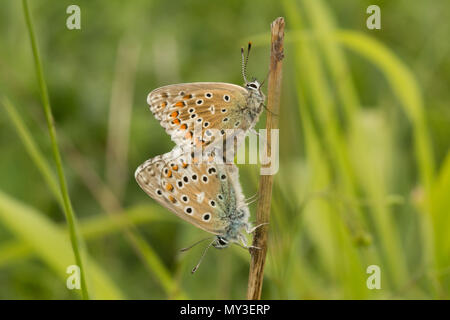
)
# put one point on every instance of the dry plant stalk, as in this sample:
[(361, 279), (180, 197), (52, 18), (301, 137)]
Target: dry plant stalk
[(258, 256)]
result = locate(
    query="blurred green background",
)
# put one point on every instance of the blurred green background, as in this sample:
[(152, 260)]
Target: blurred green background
[(364, 148)]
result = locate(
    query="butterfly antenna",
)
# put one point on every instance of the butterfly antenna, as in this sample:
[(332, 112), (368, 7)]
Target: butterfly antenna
[(251, 201), (193, 245), (252, 197), (245, 61), (203, 255), (243, 65)]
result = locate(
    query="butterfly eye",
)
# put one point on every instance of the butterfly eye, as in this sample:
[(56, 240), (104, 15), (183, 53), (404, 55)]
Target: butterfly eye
[(159, 192), (204, 179), (193, 116), (226, 98), (185, 179), (189, 210), (208, 95), (206, 216), (206, 124), (185, 198), (194, 177), (191, 110), (199, 102), (180, 184), (252, 85), (222, 241)]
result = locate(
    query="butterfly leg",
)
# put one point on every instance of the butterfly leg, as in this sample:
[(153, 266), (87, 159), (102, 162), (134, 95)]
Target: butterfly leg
[(251, 230), (244, 243), (267, 109), (252, 130)]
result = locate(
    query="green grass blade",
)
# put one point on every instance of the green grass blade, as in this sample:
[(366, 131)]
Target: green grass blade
[(405, 87), (33, 150), (75, 239), (144, 250), (92, 228), (372, 182), (50, 243), (440, 208)]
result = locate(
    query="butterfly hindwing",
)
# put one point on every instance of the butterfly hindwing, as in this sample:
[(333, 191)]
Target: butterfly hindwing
[(205, 194)]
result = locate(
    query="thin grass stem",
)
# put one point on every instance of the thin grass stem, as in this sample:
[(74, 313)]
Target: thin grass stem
[(68, 210)]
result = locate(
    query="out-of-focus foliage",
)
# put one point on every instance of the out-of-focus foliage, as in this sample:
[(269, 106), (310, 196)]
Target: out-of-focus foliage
[(364, 147)]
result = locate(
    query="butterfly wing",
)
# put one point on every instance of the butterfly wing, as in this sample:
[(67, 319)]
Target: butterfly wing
[(205, 194), (182, 108)]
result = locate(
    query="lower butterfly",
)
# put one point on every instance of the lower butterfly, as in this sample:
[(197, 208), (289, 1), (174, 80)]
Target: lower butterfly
[(207, 194)]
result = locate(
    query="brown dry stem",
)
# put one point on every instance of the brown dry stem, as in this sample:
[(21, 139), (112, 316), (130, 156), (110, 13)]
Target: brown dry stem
[(258, 256)]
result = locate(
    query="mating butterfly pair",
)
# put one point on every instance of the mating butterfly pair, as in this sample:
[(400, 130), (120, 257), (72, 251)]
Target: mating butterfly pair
[(205, 192)]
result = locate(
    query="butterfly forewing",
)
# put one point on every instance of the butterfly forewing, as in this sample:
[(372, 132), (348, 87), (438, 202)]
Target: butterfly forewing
[(182, 108), (203, 193)]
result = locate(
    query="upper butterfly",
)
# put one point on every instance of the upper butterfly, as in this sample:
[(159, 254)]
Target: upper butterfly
[(197, 114)]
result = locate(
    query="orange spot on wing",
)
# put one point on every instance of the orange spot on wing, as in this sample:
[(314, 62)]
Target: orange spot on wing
[(184, 165), (176, 121), (179, 104), (183, 126), (164, 104), (188, 96), (175, 168), (169, 187), (172, 199), (174, 114), (188, 135), (169, 173)]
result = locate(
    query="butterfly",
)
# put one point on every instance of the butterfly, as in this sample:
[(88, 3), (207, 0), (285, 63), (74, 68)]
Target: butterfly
[(215, 110), (206, 194)]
